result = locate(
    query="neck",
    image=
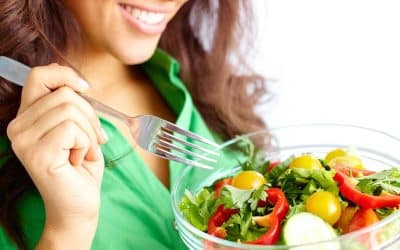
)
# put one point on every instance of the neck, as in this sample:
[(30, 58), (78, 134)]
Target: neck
[(101, 69)]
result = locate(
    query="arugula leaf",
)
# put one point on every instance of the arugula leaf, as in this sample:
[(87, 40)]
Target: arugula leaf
[(291, 188), (384, 212), (368, 187), (391, 187), (278, 171), (386, 180), (240, 227), (299, 183), (255, 156), (232, 227)]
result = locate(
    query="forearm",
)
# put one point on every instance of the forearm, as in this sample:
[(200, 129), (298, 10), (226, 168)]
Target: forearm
[(79, 237)]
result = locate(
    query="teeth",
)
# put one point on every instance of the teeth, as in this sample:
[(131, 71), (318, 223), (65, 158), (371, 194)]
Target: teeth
[(144, 16), (129, 9), (136, 13)]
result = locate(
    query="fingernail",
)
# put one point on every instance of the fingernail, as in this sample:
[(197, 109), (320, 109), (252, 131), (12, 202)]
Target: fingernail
[(84, 84), (104, 135)]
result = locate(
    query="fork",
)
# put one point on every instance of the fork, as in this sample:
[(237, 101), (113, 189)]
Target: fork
[(155, 135)]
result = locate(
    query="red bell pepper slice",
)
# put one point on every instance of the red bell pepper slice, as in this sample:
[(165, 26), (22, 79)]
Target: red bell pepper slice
[(350, 192), (362, 218), (281, 207), (217, 219), (355, 172), (220, 184)]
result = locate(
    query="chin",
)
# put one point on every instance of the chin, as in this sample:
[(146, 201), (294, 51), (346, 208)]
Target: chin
[(139, 52)]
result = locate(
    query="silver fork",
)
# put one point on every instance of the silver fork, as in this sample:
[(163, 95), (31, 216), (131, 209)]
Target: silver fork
[(151, 133)]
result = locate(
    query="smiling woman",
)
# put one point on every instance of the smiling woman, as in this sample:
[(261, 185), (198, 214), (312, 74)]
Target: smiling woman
[(121, 26), (53, 147)]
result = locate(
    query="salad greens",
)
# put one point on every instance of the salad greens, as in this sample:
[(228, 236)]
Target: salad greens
[(298, 183), (375, 184), (234, 197), (255, 158), (254, 205), (198, 209)]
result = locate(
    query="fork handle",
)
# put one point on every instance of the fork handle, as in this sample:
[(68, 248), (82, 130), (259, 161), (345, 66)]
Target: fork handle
[(17, 73), (101, 107)]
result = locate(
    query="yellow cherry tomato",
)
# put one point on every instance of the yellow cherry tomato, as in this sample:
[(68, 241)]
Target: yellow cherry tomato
[(351, 161), (325, 205), (306, 162), (248, 180), (335, 153), (345, 158)]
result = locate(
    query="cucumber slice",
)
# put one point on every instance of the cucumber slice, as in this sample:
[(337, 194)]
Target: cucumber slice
[(303, 228)]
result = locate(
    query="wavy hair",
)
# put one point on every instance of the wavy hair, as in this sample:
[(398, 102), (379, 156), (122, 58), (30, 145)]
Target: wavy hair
[(205, 36)]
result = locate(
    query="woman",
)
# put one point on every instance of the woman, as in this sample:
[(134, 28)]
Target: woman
[(53, 146)]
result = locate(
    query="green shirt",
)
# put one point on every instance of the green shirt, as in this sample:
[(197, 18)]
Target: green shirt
[(135, 210)]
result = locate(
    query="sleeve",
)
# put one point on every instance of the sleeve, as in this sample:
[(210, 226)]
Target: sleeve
[(4, 149), (5, 241)]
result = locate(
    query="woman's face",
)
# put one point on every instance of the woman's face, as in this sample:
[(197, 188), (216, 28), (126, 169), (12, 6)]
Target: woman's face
[(127, 29)]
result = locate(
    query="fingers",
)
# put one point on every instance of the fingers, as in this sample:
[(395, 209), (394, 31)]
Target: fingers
[(94, 163), (44, 79), (74, 140), (63, 112), (64, 145), (67, 103), (50, 103), (68, 136), (69, 139)]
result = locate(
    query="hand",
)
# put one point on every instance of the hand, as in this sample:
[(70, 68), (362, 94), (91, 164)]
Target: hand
[(56, 136)]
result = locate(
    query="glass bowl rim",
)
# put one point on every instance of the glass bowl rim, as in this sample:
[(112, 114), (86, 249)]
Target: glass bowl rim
[(213, 239)]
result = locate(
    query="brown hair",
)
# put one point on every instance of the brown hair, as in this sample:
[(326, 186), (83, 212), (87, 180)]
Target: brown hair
[(38, 32)]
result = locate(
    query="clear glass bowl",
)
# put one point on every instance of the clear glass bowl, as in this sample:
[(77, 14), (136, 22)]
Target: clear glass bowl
[(377, 149)]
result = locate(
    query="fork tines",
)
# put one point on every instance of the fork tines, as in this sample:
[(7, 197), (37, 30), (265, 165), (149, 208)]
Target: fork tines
[(190, 152)]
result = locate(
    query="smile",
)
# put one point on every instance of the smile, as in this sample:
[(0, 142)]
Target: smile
[(144, 16)]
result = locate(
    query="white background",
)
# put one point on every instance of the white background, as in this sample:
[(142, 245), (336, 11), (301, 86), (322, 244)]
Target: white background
[(334, 61)]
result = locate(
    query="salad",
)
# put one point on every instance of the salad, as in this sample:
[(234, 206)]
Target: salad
[(271, 202)]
